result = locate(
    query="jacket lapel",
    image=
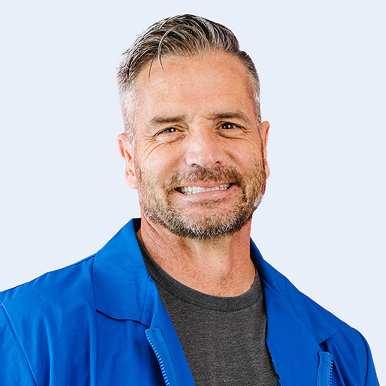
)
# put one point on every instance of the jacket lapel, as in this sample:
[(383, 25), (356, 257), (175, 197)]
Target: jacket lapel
[(293, 332), (293, 350), (124, 290), (164, 341)]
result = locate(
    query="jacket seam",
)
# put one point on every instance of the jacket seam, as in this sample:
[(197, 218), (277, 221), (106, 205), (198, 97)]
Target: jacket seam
[(18, 342)]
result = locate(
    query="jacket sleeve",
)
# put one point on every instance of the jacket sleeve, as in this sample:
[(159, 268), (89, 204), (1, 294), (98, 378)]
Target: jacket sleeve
[(371, 376), (14, 367)]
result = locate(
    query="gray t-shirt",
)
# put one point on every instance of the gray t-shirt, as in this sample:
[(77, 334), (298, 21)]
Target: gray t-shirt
[(223, 338)]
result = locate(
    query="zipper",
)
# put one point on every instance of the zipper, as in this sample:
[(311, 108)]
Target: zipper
[(325, 369), (159, 358)]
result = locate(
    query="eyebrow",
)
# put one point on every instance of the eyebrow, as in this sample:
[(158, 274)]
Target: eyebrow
[(229, 115), (158, 119)]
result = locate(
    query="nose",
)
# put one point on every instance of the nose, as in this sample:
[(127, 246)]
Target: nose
[(204, 149)]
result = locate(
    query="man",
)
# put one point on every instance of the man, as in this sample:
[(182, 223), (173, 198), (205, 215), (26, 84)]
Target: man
[(181, 296)]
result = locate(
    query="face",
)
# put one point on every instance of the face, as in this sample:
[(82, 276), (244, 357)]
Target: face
[(199, 160)]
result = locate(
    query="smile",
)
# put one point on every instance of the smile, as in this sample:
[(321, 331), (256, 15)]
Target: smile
[(199, 189)]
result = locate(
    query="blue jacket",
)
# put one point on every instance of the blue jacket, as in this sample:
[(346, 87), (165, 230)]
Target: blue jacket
[(101, 322)]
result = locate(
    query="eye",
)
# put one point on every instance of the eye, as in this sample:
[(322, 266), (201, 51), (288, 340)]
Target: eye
[(169, 134), (169, 130), (229, 126), (230, 130)]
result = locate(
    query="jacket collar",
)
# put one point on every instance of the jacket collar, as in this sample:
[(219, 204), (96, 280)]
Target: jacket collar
[(122, 285), (123, 290), (296, 326), (120, 276), (314, 318)]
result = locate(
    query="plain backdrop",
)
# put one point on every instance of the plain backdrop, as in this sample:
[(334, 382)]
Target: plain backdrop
[(322, 68)]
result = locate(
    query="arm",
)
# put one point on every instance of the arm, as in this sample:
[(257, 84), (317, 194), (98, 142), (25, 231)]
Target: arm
[(371, 376)]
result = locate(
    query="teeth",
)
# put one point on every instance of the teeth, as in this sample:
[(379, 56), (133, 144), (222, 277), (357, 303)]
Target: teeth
[(198, 189)]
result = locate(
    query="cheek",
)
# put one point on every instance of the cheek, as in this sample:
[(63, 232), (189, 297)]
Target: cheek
[(150, 175), (165, 159), (246, 155)]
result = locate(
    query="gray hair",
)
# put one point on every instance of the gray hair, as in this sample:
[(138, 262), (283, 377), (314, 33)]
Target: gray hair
[(183, 35)]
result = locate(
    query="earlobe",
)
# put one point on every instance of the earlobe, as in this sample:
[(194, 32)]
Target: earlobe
[(264, 136), (126, 152)]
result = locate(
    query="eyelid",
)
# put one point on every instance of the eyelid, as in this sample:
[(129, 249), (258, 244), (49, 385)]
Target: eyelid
[(230, 123), (169, 128), (164, 131)]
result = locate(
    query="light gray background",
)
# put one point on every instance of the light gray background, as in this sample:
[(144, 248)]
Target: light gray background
[(322, 68)]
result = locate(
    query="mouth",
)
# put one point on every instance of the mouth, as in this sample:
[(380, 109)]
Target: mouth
[(187, 190)]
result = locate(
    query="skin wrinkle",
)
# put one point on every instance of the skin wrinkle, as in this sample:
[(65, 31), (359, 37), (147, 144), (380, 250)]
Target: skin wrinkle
[(195, 37), (162, 160), (130, 108)]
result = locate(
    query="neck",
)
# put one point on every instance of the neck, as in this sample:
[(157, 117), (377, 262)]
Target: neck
[(219, 266)]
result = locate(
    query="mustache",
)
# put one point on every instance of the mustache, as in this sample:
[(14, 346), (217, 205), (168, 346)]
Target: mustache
[(223, 174)]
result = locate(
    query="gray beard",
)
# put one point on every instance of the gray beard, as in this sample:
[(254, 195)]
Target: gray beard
[(219, 224), (196, 225)]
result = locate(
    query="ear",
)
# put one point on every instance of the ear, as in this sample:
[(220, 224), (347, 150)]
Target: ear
[(127, 152), (264, 136)]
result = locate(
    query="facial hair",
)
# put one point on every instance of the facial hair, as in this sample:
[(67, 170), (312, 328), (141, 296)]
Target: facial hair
[(156, 204)]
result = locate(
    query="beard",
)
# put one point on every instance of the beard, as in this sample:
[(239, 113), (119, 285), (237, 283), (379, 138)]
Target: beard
[(203, 220)]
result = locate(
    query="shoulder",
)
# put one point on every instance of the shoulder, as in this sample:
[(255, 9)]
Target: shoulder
[(352, 356), (320, 322), (54, 286), (49, 299), (47, 320)]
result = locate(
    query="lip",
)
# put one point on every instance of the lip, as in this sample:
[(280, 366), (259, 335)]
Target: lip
[(206, 195), (206, 185), (195, 189)]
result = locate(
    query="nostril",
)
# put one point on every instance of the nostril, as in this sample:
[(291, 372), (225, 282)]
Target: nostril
[(205, 161)]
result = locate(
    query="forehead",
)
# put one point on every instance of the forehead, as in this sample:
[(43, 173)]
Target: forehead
[(195, 84)]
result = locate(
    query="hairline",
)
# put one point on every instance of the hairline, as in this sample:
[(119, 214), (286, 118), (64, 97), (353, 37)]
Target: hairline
[(129, 99)]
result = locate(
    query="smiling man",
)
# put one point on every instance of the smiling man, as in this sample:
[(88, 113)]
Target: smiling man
[(181, 296)]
